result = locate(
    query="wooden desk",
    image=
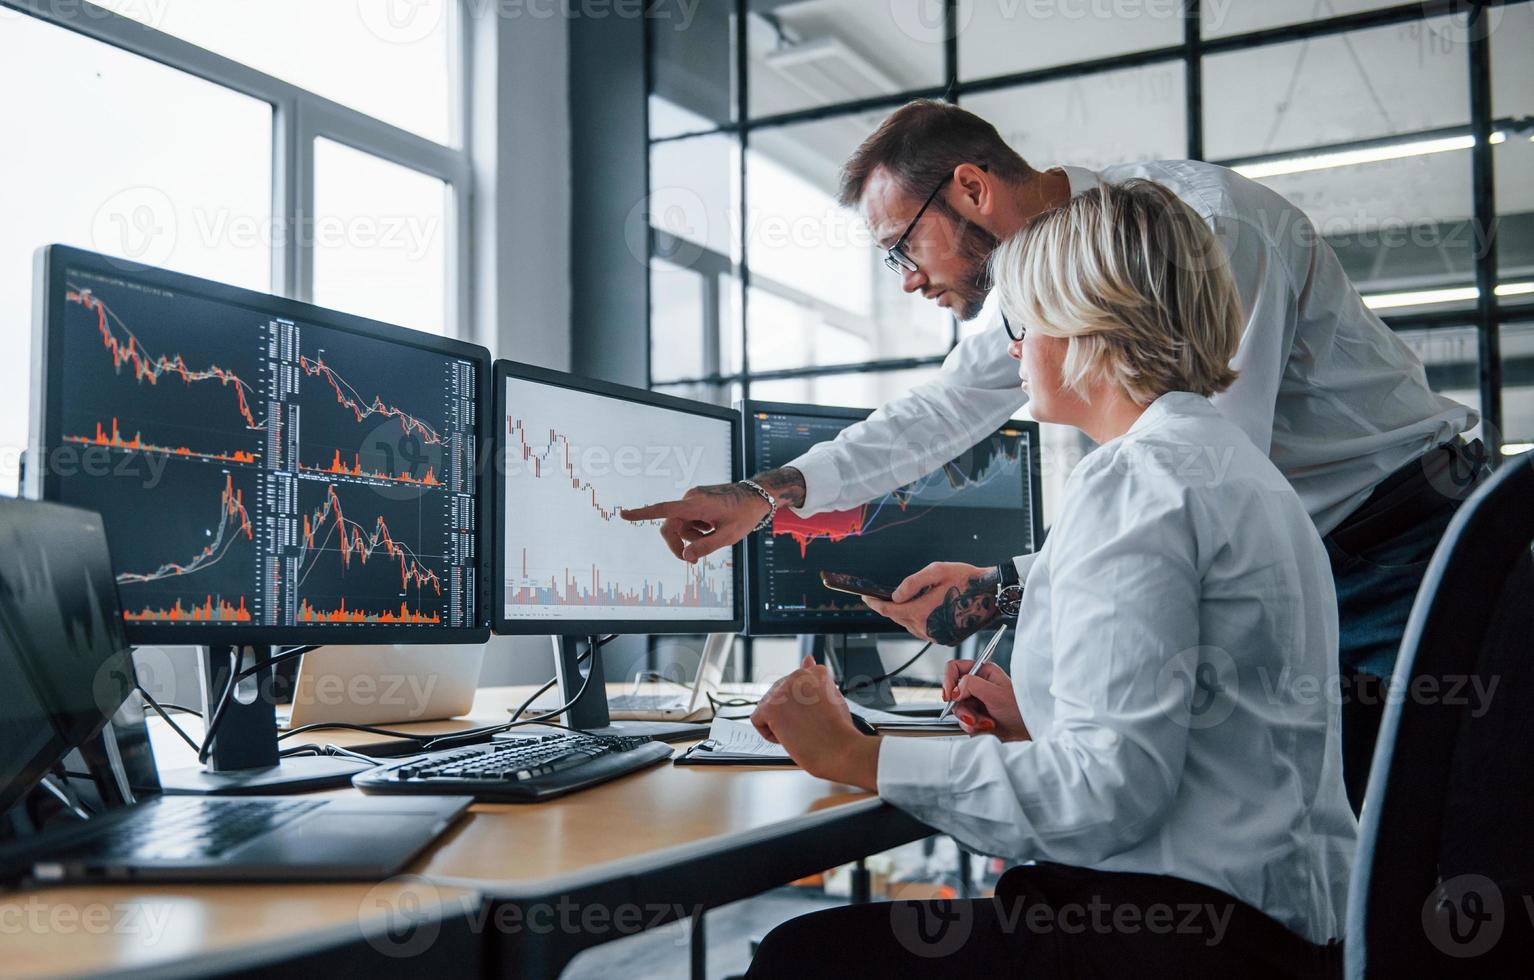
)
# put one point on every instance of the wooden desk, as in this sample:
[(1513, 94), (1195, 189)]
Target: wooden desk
[(530, 885), (199, 930), (653, 847)]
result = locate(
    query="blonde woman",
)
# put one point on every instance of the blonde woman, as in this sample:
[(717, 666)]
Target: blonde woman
[(1161, 753)]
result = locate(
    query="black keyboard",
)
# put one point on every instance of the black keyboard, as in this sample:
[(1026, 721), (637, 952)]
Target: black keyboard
[(524, 769), (189, 829)]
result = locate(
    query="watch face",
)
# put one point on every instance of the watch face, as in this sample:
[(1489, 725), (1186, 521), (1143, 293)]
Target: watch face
[(1009, 599)]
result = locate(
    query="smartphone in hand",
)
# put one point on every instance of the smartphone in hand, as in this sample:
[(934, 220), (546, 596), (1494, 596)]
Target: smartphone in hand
[(854, 585)]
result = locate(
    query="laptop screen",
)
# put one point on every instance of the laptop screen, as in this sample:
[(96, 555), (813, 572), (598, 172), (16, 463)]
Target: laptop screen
[(64, 662)]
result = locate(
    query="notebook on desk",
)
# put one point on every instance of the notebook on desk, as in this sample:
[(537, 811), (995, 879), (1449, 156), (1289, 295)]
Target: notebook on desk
[(732, 742)]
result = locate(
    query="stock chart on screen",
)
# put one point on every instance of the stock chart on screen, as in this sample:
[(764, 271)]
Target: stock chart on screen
[(572, 459), (259, 471), (979, 508)]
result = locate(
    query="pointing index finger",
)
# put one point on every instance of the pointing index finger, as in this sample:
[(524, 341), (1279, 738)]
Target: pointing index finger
[(650, 512)]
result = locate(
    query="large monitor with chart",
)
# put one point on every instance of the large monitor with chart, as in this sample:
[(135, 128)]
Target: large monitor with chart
[(978, 508), (267, 471), (571, 454)]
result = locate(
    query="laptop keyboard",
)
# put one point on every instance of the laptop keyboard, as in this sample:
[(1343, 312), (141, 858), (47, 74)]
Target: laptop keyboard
[(644, 702), (191, 828)]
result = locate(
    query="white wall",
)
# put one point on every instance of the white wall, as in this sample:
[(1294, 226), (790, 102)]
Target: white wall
[(520, 145)]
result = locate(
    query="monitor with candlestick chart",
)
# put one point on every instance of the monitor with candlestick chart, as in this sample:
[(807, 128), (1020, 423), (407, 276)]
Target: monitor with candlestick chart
[(572, 453), (979, 508), (267, 471)]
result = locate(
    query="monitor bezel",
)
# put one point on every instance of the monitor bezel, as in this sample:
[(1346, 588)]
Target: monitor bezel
[(43, 481), (871, 623), (505, 370)]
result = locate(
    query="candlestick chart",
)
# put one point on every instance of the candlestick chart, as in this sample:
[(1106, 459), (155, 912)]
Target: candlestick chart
[(573, 462)]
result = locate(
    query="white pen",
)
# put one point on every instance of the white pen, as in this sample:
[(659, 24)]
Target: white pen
[(985, 658)]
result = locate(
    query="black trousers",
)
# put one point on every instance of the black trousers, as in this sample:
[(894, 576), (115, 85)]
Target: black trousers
[(1049, 920), (1379, 556)]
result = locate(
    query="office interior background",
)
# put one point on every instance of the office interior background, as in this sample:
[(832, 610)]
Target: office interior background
[(644, 192)]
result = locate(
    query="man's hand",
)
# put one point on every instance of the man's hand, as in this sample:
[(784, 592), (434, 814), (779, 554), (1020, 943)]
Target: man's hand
[(946, 602), (987, 704), (716, 516), (805, 713)]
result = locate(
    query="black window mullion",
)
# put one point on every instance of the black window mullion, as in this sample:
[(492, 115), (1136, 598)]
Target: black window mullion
[(743, 116), (1483, 221), (1193, 54)]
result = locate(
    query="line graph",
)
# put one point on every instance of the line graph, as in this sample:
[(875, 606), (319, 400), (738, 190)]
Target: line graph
[(949, 485), (150, 368), (976, 508), (352, 540), (362, 408), (233, 522)]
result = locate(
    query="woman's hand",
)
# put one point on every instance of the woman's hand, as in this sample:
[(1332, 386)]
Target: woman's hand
[(943, 603), (987, 704)]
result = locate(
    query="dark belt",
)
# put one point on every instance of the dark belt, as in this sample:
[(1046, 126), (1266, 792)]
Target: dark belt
[(1423, 488)]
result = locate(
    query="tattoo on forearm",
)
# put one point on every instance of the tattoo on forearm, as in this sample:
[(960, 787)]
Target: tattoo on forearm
[(785, 483), (964, 612), (733, 491)]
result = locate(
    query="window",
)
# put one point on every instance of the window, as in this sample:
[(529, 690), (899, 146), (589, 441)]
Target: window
[(1000, 38), (390, 60), (390, 262), (273, 145), (196, 200), (1357, 110)]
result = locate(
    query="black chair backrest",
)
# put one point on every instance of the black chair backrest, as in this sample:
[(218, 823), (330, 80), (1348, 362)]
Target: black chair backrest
[(1446, 841)]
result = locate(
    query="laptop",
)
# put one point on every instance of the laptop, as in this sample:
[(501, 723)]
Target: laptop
[(383, 685), (65, 668), (679, 706)]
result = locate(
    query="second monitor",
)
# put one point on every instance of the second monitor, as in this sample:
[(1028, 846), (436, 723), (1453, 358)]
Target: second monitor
[(573, 452), (979, 508)]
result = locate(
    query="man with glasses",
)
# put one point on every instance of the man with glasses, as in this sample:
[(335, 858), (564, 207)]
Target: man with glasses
[(1340, 404)]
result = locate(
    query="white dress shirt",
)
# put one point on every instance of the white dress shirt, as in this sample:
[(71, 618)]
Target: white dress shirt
[(1335, 398), (1172, 658)]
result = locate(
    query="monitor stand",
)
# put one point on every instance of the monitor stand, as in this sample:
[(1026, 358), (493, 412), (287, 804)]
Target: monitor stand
[(589, 712), (244, 757), (855, 663)]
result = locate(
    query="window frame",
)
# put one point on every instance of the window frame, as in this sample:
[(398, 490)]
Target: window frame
[(299, 117)]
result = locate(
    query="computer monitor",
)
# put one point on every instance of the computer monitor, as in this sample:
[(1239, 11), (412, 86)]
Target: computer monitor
[(268, 471), (979, 508), (573, 452)]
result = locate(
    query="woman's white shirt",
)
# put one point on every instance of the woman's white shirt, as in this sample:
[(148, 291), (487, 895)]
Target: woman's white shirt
[(1175, 662)]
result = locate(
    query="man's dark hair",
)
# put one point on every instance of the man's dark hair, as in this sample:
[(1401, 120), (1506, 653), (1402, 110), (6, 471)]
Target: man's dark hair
[(921, 143)]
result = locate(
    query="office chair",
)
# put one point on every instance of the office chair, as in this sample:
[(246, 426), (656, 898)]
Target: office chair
[(1446, 842)]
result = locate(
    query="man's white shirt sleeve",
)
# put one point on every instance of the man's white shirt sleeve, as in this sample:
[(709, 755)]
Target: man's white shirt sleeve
[(977, 390)]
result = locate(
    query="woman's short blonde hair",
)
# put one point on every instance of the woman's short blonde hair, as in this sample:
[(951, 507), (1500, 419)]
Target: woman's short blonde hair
[(1137, 283)]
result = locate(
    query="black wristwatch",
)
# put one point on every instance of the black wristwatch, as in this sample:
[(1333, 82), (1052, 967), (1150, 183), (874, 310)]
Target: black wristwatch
[(1009, 589)]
